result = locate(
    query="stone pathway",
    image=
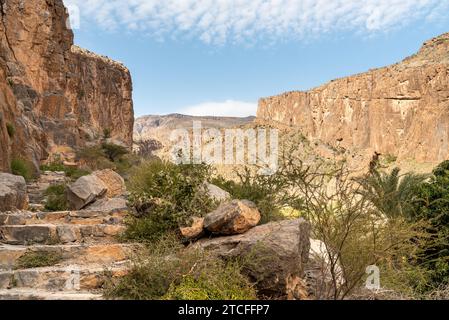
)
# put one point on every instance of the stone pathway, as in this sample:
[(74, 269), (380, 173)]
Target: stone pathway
[(84, 242)]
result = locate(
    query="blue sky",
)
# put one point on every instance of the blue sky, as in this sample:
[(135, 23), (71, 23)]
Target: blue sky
[(219, 57)]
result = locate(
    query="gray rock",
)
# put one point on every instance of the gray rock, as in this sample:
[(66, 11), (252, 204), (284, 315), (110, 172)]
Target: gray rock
[(235, 217), (108, 205), (84, 191), (274, 254), (216, 193), (13, 192), (68, 234)]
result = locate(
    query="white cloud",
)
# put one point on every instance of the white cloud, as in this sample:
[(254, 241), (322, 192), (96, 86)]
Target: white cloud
[(223, 21), (229, 108)]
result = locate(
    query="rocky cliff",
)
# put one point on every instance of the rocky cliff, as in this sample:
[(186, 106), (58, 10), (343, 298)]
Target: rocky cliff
[(400, 110), (51, 92)]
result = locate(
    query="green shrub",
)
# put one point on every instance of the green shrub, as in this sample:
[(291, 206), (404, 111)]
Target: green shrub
[(168, 271), (56, 199), (24, 168), (216, 280), (113, 152), (11, 130), (390, 158), (165, 196), (267, 192), (431, 203), (107, 156), (73, 173), (94, 158), (126, 163), (107, 133), (38, 259), (55, 166)]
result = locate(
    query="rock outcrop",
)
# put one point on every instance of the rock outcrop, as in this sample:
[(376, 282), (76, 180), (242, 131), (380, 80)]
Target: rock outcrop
[(234, 217), (88, 189), (277, 253), (13, 192), (113, 182), (400, 110), (51, 92), (195, 231)]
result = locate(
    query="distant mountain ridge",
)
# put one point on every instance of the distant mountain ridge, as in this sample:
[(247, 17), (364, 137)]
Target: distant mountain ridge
[(152, 126), (152, 132)]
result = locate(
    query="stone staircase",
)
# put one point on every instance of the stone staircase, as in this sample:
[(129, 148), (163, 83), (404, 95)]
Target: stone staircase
[(83, 244)]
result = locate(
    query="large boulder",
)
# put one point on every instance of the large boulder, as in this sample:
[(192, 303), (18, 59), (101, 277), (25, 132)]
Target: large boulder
[(84, 191), (216, 193), (13, 192), (113, 181), (100, 184), (234, 217), (274, 256)]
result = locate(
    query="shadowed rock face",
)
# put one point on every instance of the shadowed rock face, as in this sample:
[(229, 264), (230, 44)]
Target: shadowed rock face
[(52, 92), (401, 110), (278, 252), (13, 192)]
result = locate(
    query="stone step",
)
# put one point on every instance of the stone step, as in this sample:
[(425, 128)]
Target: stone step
[(33, 294), (69, 254), (66, 278), (58, 234), (84, 217)]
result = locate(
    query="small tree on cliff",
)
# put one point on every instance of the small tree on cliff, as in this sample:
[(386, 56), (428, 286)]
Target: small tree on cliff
[(113, 151)]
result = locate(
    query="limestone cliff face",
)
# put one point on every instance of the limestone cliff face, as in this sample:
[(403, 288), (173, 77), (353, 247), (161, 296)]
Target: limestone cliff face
[(401, 110), (51, 92)]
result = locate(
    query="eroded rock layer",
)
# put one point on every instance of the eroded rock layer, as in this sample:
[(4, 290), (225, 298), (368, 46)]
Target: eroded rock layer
[(51, 92), (402, 110)]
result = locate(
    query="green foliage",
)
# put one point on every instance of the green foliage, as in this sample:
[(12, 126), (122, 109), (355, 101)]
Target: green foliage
[(216, 280), (38, 259), (431, 203), (113, 152), (73, 173), (390, 158), (265, 191), (11, 130), (107, 133), (168, 271), (56, 198), (94, 158), (24, 168), (165, 196), (107, 156), (391, 193)]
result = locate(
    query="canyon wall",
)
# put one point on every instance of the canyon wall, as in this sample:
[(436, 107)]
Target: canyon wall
[(401, 110), (53, 93)]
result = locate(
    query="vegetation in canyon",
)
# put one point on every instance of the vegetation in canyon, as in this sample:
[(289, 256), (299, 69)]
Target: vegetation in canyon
[(396, 222)]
